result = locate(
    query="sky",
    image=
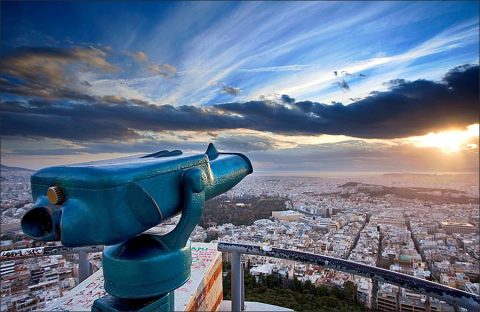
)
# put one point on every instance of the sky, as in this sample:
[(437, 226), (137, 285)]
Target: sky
[(299, 87)]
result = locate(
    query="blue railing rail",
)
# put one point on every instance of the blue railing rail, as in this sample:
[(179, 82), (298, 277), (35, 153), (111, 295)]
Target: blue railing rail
[(84, 269), (450, 295)]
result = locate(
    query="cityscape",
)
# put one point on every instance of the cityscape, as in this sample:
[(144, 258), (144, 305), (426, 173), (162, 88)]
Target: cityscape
[(425, 225), (239, 156)]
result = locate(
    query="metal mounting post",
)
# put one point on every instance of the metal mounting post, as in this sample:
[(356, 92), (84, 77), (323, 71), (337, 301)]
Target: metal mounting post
[(164, 262), (236, 282), (83, 266)]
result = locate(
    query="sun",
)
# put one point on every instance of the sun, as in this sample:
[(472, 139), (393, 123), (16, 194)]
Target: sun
[(449, 141)]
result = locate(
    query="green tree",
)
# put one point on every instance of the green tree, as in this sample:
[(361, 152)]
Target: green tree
[(296, 295)]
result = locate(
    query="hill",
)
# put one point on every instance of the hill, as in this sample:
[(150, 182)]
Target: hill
[(4, 168)]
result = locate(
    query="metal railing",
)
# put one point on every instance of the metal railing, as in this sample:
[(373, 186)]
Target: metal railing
[(447, 294), (84, 269)]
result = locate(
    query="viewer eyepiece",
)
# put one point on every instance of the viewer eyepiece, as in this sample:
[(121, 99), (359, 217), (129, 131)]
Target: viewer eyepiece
[(42, 223)]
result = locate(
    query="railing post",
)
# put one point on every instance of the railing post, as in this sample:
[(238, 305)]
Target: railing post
[(243, 284), (428, 308), (374, 306), (236, 282), (83, 266), (397, 300)]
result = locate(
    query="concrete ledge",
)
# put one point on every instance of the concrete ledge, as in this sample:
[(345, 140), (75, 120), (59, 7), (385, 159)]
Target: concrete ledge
[(202, 292), (226, 305)]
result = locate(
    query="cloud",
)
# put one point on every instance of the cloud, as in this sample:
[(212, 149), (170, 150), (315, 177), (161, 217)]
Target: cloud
[(316, 84), (115, 99), (130, 147), (358, 155), (284, 68), (139, 56), (50, 72), (407, 109), (343, 85), (63, 127), (94, 57), (287, 99), (230, 90), (106, 118), (165, 70), (245, 143)]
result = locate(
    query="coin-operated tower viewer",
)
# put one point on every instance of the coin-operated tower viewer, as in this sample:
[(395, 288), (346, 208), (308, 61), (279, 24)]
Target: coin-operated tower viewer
[(113, 202)]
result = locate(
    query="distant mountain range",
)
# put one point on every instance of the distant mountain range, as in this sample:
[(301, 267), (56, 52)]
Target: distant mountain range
[(435, 195), (3, 167), (440, 174)]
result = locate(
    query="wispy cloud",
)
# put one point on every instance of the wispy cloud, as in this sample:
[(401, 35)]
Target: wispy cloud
[(165, 70), (319, 81), (149, 75), (241, 46), (284, 68)]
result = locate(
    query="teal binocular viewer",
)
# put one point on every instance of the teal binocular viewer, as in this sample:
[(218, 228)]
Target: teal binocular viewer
[(113, 202)]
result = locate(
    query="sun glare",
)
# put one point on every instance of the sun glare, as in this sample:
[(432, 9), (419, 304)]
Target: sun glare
[(450, 141)]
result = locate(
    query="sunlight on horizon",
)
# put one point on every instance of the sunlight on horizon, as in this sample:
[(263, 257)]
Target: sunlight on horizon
[(450, 141)]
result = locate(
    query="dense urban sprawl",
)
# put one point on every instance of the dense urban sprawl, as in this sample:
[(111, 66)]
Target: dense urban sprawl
[(423, 225)]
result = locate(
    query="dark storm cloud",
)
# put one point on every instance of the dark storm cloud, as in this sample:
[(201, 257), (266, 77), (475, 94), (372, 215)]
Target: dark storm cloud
[(19, 123), (115, 119), (408, 108), (287, 99)]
